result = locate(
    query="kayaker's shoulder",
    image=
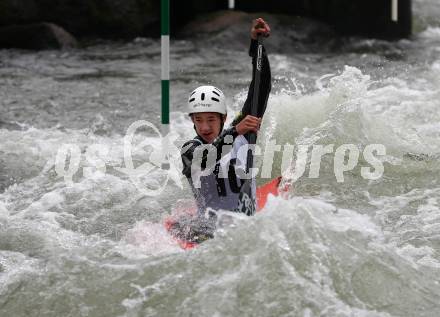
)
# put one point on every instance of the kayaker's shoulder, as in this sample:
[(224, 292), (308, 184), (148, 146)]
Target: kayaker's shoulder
[(190, 145)]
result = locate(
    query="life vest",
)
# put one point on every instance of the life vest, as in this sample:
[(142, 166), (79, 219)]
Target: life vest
[(221, 188)]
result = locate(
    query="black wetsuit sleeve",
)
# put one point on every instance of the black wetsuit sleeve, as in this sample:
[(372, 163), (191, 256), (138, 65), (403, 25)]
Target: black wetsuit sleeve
[(187, 154), (265, 85), (188, 149)]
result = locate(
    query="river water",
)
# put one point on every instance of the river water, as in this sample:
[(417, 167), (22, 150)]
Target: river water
[(94, 244)]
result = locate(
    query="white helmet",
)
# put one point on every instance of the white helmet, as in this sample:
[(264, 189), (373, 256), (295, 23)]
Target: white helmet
[(207, 99)]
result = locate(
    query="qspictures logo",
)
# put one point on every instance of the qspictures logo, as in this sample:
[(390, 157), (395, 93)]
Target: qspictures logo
[(162, 163), (164, 160)]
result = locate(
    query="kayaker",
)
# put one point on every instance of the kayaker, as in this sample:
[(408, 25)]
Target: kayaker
[(220, 187), (207, 109)]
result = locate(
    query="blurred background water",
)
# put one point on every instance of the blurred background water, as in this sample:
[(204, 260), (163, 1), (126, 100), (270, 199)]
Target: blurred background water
[(97, 247)]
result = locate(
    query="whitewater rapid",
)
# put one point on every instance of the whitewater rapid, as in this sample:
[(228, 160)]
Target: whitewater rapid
[(96, 246)]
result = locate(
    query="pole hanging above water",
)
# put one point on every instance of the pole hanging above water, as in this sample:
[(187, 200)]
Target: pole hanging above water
[(165, 79), (395, 10), (165, 60)]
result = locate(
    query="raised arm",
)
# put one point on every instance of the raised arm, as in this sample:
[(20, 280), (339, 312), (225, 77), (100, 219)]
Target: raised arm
[(259, 26), (244, 123)]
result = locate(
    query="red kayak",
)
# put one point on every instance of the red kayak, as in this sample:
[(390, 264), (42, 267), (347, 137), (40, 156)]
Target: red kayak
[(263, 192)]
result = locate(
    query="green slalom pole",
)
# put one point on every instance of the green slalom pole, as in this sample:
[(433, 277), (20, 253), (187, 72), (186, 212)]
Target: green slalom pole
[(165, 39), (165, 78)]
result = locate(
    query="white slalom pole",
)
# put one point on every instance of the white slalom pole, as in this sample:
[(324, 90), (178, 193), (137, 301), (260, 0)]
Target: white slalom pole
[(395, 10)]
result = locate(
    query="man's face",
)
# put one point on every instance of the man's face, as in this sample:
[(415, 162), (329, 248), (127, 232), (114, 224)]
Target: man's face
[(208, 125)]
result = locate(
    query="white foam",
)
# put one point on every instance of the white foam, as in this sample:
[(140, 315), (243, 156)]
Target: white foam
[(4, 213), (14, 267), (412, 225), (148, 239), (430, 33), (328, 217), (424, 255)]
